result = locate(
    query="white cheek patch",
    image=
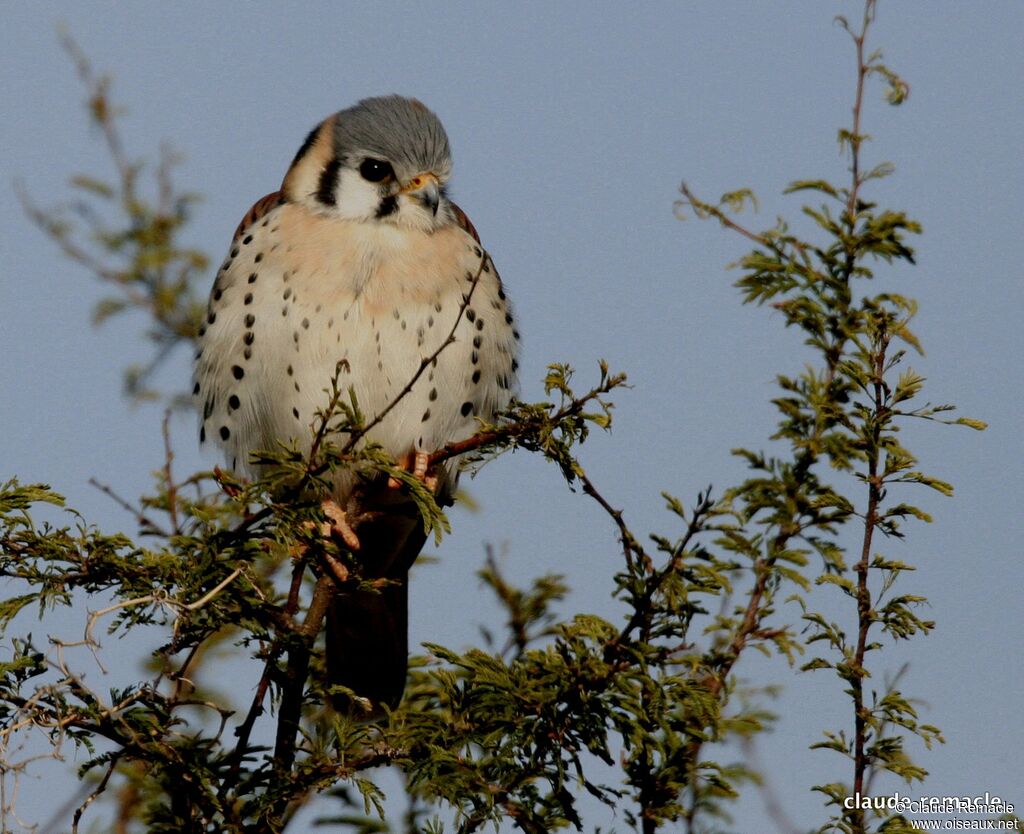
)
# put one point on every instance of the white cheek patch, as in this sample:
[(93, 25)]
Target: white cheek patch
[(355, 198)]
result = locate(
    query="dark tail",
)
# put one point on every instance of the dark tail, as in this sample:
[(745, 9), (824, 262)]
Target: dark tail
[(367, 630), (368, 646)]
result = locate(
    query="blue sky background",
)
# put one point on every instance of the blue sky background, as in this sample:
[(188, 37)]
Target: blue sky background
[(572, 126)]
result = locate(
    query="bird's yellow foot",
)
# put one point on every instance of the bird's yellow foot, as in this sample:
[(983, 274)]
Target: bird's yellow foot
[(337, 525), (418, 463)]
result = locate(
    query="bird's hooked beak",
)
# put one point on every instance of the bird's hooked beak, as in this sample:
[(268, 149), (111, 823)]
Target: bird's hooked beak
[(426, 189)]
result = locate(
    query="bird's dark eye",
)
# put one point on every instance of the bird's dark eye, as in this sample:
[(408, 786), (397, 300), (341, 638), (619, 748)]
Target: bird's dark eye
[(376, 170)]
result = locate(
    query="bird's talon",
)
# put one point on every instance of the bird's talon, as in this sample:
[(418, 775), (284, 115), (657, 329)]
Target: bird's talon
[(336, 568), (418, 464), (338, 525), (419, 469)]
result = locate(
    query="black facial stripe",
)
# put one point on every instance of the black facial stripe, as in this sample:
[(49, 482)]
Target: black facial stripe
[(328, 182), (306, 145), (389, 205)]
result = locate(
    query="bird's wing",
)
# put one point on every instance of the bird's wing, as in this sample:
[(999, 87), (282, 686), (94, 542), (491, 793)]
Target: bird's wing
[(260, 208), (463, 220)]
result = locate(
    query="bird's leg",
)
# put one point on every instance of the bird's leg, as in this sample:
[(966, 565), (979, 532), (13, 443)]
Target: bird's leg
[(418, 463), (420, 470), (337, 524)]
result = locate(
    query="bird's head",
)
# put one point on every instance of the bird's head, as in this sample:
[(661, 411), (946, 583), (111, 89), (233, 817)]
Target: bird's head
[(385, 160)]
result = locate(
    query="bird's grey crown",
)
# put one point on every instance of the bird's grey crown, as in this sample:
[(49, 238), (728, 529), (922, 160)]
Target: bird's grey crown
[(398, 129)]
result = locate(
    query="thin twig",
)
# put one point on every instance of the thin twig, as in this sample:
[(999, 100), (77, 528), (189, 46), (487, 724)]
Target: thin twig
[(169, 484), (147, 527)]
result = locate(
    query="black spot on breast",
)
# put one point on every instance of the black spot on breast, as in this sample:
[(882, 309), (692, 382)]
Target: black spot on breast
[(195, 390), (249, 337), (295, 412), (430, 321), (330, 323), (479, 324), (225, 432), (234, 402), (218, 294), (202, 434), (476, 251), (501, 293), (234, 252), (250, 320), (247, 240), (515, 365), (207, 408), (297, 389), (305, 324), (252, 277), (426, 416), (433, 394), (508, 318), (295, 337), (466, 408), (475, 357), (202, 331), (284, 310), (328, 182), (248, 298), (291, 370), (287, 293), (211, 317), (286, 276), (259, 257), (476, 376), (515, 334), (237, 372), (471, 314), (247, 353)]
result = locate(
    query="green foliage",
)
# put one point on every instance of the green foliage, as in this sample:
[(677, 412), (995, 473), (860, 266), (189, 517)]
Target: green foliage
[(130, 239), (630, 711)]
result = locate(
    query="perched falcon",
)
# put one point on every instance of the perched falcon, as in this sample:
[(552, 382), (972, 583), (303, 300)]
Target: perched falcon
[(360, 266)]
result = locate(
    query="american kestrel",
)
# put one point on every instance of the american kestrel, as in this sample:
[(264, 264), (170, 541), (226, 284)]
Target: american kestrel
[(360, 267)]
